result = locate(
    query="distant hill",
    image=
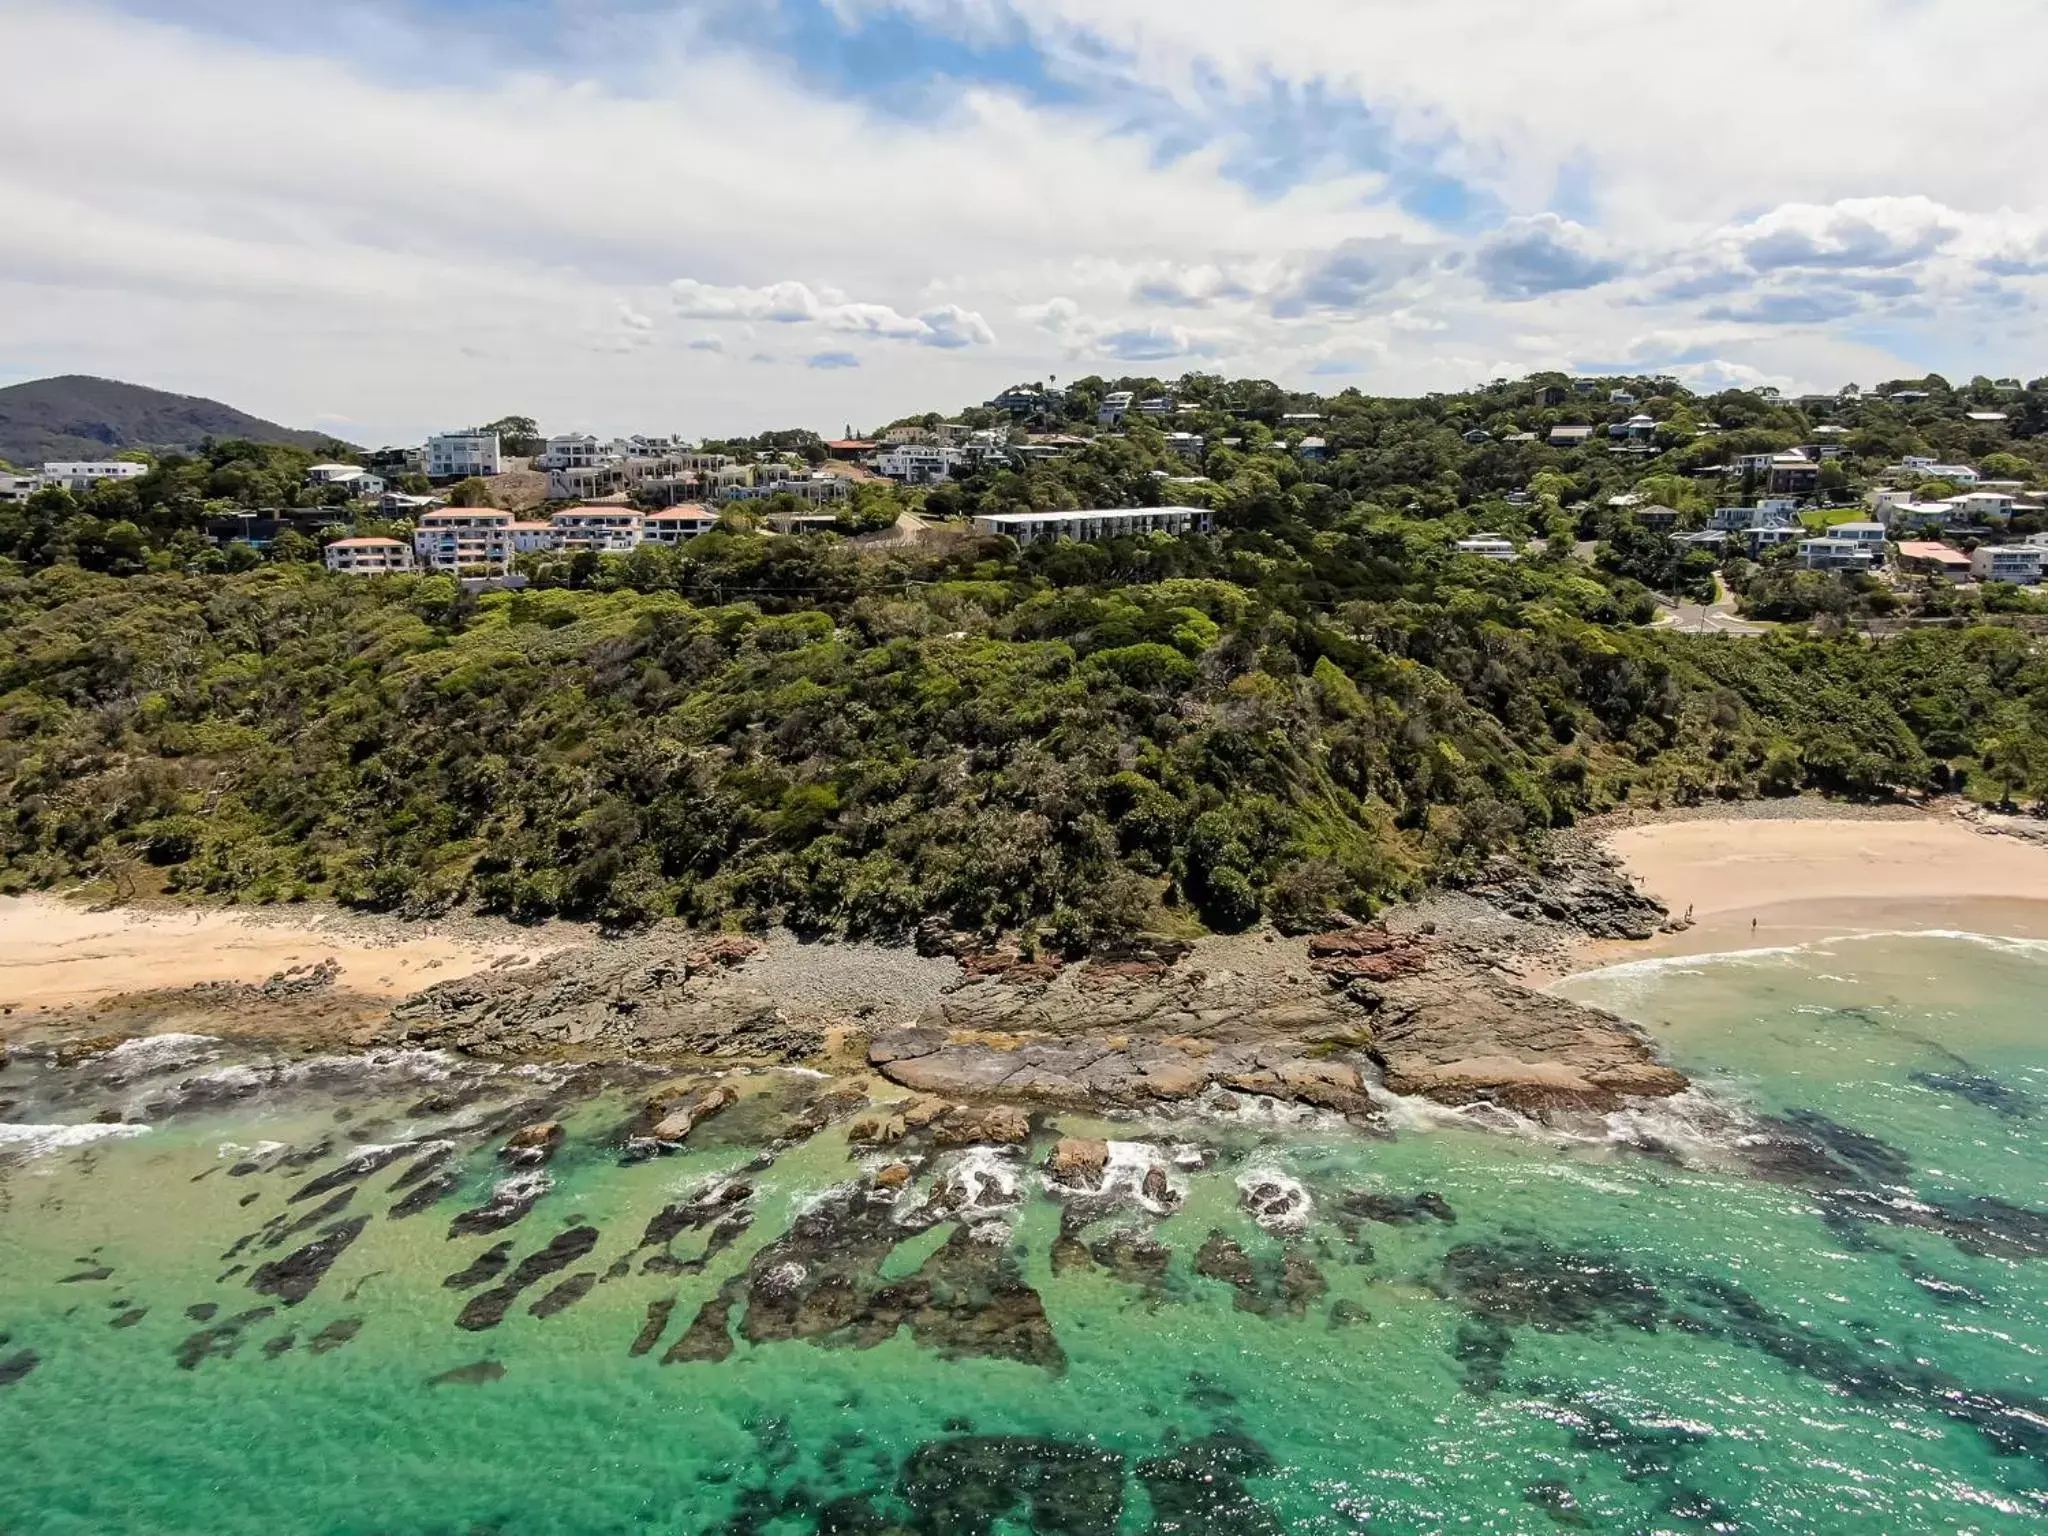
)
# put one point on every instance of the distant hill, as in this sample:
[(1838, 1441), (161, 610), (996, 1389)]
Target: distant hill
[(77, 417)]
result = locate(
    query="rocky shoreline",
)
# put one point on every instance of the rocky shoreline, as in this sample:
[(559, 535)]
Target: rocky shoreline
[(1426, 1001)]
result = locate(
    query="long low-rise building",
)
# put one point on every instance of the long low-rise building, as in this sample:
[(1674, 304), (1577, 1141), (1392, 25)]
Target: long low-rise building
[(2019, 564), (1094, 526)]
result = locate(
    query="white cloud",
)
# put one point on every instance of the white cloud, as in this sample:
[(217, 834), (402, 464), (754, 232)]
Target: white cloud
[(431, 272)]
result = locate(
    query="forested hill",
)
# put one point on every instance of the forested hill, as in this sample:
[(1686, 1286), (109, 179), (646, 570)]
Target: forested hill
[(1322, 704), (77, 417)]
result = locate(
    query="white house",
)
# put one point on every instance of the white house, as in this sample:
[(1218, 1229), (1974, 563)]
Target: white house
[(457, 538), (1187, 444), (1044, 527), (1978, 505), (353, 478), (79, 476), (458, 455), (677, 525), (1156, 406), (1115, 406), (399, 504), (2019, 564), (1836, 555), (572, 450), (19, 487), (607, 530), (1489, 546), (819, 490), (919, 463), (1569, 437), (1870, 534), (1770, 514), (368, 557)]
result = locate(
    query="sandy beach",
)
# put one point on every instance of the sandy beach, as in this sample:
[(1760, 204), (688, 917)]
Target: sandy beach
[(55, 954), (1797, 880)]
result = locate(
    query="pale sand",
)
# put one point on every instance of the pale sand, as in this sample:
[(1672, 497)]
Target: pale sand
[(54, 954), (1799, 881)]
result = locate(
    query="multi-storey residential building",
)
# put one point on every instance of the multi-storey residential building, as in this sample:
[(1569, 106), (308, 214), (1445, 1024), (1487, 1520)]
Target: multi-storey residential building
[(1489, 546), (677, 525), (1115, 406), (79, 476), (461, 538), (459, 455), (573, 450), (919, 463), (1837, 554), (1043, 527), (369, 557), (19, 487), (607, 530), (356, 480), (2019, 564)]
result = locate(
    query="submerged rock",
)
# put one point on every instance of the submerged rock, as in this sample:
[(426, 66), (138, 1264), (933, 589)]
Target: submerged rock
[(510, 1200), (487, 1309), (473, 1375), (293, 1278)]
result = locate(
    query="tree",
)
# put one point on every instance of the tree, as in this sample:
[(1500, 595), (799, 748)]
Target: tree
[(518, 435), (472, 492)]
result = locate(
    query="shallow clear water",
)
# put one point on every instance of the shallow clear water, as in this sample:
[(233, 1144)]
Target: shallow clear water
[(1665, 1323)]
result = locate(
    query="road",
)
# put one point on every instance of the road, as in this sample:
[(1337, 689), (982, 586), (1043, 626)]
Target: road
[(1715, 618)]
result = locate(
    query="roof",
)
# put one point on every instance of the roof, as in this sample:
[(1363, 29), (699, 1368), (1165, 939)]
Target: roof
[(1574, 431), (1920, 549), (1064, 517), (687, 512), (853, 442), (329, 469), (1987, 415), (366, 544)]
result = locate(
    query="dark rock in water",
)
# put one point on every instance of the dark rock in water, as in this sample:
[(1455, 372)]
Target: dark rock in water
[(473, 1375), (1346, 1313), (1985, 1092), (565, 1295), (202, 1311), (487, 1265), (712, 1202), (532, 1145), (243, 1170), (1136, 1258), (426, 1194), (432, 1157), (357, 1168), (221, 1340), (709, 1336), (1558, 1504), (658, 1313), (18, 1365), (306, 1157), (293, 1278), (1198, 1490), (250, 1198), (335, 1334), (1266, 1290), (968, 1485), (1512, 1285), (487, 1309), (1872, 1159), (1805, 1147), (509, 1203), (281, 1229), (282, 1344), (130, 1318), (1207, 1392), (1978, 1224), (96, 1272), (1356, 1207)]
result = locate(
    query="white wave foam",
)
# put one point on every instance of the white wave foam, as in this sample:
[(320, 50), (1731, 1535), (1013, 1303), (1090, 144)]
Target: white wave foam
[(1123, 1177), (37, 1140), (157, 1053), (1275, 1201)]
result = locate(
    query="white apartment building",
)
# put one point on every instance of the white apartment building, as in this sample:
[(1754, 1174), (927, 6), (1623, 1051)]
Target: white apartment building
[(80, 476), (919, 463), (818, 490), (2019, 564), (1871, 535), (1119, 523), (19, 487), (606, 530), (1115, 406), (1978, 505), (458, 455), (1489, 546), (587, 482), (457, 538), (353, 477), (677, 525), (528, 537), (369, 557), (575, 450), (1836, 555)]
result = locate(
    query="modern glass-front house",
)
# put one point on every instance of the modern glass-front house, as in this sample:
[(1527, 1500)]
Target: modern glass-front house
[(1117, 523)]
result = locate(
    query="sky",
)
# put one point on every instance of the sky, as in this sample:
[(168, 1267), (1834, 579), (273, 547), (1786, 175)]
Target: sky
[(383, 218)]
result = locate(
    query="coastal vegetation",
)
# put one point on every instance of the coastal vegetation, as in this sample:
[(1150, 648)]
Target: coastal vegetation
[(1321, 705)]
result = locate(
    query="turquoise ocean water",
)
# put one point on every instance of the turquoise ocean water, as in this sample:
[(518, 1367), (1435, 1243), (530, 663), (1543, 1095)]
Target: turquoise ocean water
[(1811, 1296)]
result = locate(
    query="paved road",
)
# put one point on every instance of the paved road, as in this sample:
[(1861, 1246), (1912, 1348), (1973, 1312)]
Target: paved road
[(1715, 618)]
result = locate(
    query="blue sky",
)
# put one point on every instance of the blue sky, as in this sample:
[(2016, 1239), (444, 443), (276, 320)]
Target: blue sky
[(386, 218)]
